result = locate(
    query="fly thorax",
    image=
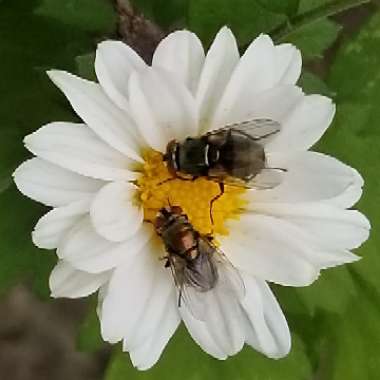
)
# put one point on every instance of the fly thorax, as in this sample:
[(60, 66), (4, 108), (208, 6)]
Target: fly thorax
[(212, 154), (191, 157), (179, 238)]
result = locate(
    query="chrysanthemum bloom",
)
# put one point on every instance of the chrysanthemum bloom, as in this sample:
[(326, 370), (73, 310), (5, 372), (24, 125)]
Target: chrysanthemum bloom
[(104, 177)]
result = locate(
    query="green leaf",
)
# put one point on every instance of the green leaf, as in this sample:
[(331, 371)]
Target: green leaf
[(343, 336), (314, 39), (89, 338), (355, 137), (170, 13), (19, 259), (332, 292), (288, 7), (313, 84), (30, 44), (184, 360), (355, 340), (97, 16), (307, 5), (247, 18), (86, 66), (345, 345), (28, 50)]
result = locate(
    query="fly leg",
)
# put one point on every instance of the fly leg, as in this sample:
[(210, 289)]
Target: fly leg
[(166, 180), (178, 176), (221, 187), (179, 297), (279, 169), (167, 263)]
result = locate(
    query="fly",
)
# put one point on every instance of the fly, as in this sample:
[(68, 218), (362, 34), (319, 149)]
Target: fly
[(232, 155), (200, 270)]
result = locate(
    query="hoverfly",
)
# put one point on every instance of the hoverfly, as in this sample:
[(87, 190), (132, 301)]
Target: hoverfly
[(200, 270), (231, 155)]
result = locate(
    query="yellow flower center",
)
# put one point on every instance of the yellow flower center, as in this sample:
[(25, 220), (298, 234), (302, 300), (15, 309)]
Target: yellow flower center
[(158, 188)]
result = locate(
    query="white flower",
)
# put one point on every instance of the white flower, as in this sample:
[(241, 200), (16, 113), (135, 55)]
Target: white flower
[(88, 174)]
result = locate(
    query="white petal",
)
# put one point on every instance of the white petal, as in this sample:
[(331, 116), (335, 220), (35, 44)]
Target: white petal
[(223, 320), (49, 184), (148, 353), (305, 125), (77, 148), (221, 60), (275, 103), (289, 63), (328, 226), (181, 53), (254, 73), (266, 327), (163, 108), (66, 281), (140, 292), (305, 237), (261, 248), (201, 335), (153, 133), (114, 213), (114, 63), (351, 195), (84, 249), (101, 295), (310, 177), (108, 121), (53, 226)]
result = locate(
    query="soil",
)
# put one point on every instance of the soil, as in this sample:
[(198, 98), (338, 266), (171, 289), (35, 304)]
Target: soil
[(37, 340)]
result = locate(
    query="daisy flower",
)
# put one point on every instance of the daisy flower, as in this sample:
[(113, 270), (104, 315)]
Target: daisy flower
[(105, 178)]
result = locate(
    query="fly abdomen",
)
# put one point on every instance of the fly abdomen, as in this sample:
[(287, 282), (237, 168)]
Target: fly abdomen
[(242, 157)]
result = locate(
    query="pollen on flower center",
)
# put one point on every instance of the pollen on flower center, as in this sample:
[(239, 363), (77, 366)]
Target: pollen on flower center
[(194, 197)]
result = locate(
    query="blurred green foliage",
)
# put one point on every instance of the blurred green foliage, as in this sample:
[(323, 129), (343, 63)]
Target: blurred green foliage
[(36, 36), (313, 84), (184, 360), (89, 339), (90, 16), (336, 333), (355, 138), (314, 39), (206, 17)]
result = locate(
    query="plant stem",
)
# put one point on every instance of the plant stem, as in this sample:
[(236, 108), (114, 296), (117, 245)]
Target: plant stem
[(314, 15)]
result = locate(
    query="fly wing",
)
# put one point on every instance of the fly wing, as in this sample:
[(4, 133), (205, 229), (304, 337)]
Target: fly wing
[(221, 281), (260, 130), (268, 178), (229, 280), (199, 283)]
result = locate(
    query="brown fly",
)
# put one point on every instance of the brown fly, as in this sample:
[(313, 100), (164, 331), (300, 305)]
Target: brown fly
[(200, 270)]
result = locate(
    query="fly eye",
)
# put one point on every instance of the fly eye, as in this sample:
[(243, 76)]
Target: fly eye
[(159, 223)]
